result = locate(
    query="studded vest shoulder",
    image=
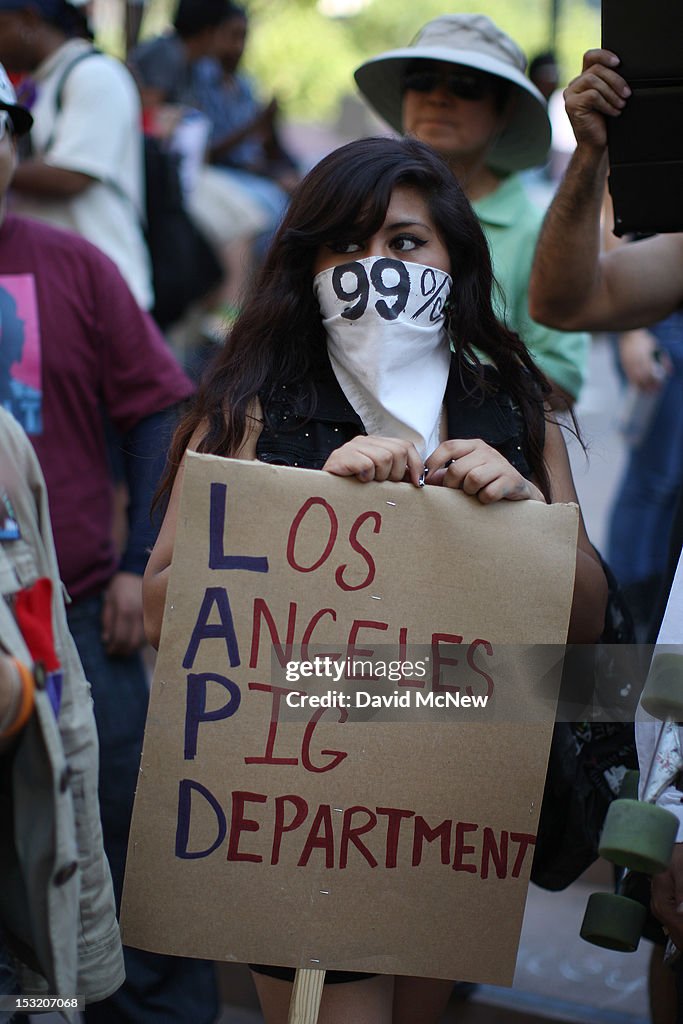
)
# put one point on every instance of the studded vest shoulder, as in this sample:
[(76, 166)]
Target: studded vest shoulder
[(289, 438)]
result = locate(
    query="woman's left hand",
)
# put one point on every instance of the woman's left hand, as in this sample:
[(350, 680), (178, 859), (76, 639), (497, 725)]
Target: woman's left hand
[(476, 468)]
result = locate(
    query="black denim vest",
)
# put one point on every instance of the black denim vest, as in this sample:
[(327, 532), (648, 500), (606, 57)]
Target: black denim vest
[(291, 439)]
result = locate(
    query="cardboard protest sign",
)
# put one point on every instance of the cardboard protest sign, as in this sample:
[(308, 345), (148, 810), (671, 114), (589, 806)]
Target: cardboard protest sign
[(325, 835)]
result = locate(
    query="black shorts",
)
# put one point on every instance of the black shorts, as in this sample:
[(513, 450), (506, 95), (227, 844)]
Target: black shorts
[(331, 977)]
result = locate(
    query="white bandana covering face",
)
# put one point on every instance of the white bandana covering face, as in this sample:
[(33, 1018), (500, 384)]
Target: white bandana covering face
[(388, 344)]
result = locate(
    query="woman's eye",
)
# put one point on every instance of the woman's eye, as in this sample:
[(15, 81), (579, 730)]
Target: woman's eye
[(344, 247), (406, 243)]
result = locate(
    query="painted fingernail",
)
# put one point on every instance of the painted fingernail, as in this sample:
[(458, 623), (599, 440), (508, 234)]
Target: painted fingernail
[(447, 464), (423, 477)]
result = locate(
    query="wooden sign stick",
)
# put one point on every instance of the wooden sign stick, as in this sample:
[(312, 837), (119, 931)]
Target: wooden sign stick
[(308, 991)]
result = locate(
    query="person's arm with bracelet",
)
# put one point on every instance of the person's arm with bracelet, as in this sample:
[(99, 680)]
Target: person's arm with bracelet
[(572, 285), (17, 695)]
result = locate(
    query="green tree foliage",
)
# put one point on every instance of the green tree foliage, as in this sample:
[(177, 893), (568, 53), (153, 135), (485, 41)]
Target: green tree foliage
[(308, 59), (305, 59)]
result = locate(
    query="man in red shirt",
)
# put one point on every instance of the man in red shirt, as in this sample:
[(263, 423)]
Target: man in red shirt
[(77, 354)]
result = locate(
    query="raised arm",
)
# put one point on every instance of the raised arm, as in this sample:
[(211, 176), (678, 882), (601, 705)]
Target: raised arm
[(572, 285)]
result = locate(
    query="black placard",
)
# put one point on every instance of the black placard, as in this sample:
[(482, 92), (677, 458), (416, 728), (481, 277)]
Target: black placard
[(646, 141)]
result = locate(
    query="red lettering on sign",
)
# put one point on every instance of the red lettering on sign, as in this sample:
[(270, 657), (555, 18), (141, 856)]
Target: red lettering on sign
[(403, 658), (355, 652), (525, 840), (351, 834), (278, 693), (439, 659), (490, 854), (294, 529), (424, 833), (363, 552), (395, 816), (308, 632), (239, 824), (321, 836), (498, 854), (337, 756), (262, 611), (461, 850), (471, 651), (298, 818)]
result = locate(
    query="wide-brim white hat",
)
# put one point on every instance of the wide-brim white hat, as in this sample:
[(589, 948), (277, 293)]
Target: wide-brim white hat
[(471, 40)]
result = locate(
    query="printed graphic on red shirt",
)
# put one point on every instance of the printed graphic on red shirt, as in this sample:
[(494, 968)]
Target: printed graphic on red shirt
[(20, 352)]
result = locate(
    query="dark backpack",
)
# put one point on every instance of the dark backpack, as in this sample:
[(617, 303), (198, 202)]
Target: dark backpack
[(185, 267), (588, 758)]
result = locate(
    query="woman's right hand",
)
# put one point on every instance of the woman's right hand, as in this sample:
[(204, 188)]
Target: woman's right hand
[(368, 457)]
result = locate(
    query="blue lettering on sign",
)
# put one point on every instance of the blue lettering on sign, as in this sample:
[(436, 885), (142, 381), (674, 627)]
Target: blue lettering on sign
[(195, 706), (204, 630), (182, 834), (217, 557)]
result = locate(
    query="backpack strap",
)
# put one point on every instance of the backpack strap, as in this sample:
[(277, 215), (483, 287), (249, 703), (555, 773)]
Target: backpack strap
[(59, 97), (59, 94)]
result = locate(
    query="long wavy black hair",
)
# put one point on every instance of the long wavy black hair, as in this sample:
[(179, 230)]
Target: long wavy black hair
[(279, 336)]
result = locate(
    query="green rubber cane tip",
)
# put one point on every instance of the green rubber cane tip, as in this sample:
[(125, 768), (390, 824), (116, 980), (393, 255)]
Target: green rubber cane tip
[(662, 695), (629, 785), (613, 922), (638, 836)]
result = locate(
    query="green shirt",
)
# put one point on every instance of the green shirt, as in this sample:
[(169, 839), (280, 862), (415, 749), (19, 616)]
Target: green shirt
[(511, 224)]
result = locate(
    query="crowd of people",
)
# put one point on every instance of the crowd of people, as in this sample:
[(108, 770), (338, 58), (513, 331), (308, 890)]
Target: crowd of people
[(474, 399)]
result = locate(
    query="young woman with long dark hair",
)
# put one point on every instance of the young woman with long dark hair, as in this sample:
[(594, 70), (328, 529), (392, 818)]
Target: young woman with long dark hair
[(369, 348)]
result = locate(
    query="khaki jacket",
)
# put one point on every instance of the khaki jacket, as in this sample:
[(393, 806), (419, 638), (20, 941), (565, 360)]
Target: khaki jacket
[(56, 898)]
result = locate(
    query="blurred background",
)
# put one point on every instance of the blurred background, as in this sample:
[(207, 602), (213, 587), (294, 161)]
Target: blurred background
[(305, 51)]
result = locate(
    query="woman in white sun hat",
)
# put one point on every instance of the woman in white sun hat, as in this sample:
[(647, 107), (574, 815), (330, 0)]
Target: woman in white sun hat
[(460, 87)]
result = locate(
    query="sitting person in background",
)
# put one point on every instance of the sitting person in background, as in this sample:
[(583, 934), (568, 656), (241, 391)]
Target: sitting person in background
[(224, 211), (163, 65), (244, 141)]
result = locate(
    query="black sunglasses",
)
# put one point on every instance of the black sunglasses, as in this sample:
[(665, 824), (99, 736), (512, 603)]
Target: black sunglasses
[(459, 83)]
